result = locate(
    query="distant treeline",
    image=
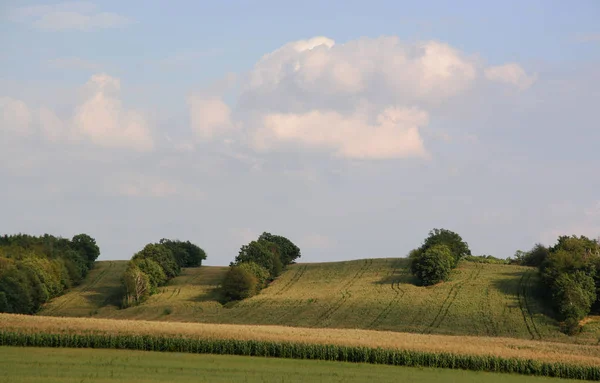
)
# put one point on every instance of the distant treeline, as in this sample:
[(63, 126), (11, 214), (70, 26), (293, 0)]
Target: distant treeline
[(155, 265), (35, 269)]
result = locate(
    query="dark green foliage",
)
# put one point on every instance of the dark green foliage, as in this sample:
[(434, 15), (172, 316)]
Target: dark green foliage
[(570, 276), (355, 354), (155, 265), (263, 253), (432, 265), (262, 275), (263, 260), (534, 257), (152, 269), (162, 255), (486, 259), (86, 247), (573, 295), (440, 253), (186, 253), (18, 294), (458, 247), (35, 269), (288, 251), (239, 283), (5, 307)]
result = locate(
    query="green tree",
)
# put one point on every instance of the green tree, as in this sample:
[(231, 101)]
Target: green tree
[(162, 255), (262, 275), (458, 247), (263, 253), (137, 285), (573, 295), (289, 252), (15, 286), (186, 253), (87, 247), (238, 284), (5, 307), (155, 273), (432, 265)]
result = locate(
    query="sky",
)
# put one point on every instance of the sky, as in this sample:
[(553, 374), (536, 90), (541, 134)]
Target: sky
[(353, 128)]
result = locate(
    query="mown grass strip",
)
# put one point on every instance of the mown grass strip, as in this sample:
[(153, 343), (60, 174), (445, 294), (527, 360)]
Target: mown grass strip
[(302, 351)]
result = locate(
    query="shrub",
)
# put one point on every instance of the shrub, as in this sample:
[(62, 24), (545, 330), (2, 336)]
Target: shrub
[(458, 248), (573, 295), (262, 275), (432, 265), (239, 283)]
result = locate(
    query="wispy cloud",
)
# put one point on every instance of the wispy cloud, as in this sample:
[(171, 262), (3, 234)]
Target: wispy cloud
[(68, 15), (588, 38), (75, 63)]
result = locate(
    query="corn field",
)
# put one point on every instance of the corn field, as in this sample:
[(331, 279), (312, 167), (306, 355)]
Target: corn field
[(302, 351)]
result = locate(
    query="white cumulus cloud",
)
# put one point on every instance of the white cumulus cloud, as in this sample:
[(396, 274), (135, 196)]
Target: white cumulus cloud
[(393, 134), (385, 69), (512, 74), (209, 116), (102, 118), (363, 99)]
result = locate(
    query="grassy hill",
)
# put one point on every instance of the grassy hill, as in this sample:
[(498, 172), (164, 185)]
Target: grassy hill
[(378, 294)]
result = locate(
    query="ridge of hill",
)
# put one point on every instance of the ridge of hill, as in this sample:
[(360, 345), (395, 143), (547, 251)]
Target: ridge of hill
[(377, 294)]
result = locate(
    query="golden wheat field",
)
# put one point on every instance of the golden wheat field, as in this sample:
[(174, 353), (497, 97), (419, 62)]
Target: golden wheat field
[(377, 294)]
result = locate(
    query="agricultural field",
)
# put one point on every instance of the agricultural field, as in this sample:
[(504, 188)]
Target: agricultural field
[(33, 365), (550, 352), (100, 289), (374, 294)]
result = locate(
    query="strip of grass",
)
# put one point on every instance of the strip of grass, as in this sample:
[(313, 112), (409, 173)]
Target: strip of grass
[(303, 351), (33, 365)]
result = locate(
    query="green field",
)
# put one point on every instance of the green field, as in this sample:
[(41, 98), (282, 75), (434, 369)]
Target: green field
[(377, 294), (29, 365)]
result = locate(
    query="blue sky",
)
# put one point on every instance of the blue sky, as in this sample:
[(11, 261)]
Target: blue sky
[(351, 127)]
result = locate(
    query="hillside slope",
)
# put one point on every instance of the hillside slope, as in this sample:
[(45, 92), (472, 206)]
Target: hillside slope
[(378, 294)]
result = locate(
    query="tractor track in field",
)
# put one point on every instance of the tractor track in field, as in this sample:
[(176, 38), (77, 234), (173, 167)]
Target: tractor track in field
[(289, 311), (449, 301), (77, 292), (255, 305), (398, 294), (491, 328), (346, 294), (174, 293), (297, 275), (525, 307)]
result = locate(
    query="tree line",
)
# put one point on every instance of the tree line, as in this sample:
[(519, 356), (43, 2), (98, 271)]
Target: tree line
[(156, 264), (256, 265), (34, 269)]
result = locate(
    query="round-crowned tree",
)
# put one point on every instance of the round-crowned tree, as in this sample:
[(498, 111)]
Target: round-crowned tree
[(239, 283), (458, 248), (432, 265)]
